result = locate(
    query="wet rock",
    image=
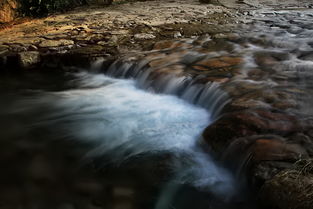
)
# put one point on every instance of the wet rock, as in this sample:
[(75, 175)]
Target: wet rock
[(260, 157), (169, 44), (244, 103), (263, 171), (217, 45), (144, 36), (220, 62), (270, 59), (305, 140), (177, 34), (289, 189), (264, 148), (56, 43), (247, 123), (28, 59)]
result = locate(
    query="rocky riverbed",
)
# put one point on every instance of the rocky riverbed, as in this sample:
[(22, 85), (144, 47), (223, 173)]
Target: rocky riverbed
[(258, 54)]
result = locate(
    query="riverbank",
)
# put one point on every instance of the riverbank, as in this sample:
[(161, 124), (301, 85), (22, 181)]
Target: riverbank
[(110, 31)]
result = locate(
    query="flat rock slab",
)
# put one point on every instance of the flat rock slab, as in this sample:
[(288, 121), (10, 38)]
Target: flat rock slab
[(56, 43)]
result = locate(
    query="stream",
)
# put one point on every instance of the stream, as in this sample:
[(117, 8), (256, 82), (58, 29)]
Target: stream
[(112, 123), (115, 138)]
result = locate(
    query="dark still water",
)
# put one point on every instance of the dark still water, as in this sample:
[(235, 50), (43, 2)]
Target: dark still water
[(85, 140)]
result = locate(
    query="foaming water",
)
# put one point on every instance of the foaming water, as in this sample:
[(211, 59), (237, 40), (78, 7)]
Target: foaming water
[(156, 79), (120, 122)]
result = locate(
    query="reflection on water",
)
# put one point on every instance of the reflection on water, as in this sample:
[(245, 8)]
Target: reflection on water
[(107, 141)]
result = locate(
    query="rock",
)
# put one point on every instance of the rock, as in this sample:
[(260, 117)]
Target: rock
[(144, 36), (209, 1), (169, 44), (305, 140), (8, 10), (260, 148), (56, 43), (28, 59), (245, 123), (4, 47), (289, 189), (32, 48), (263, 171), (220, 62), (177, 34), (260, 157), (270, 59)]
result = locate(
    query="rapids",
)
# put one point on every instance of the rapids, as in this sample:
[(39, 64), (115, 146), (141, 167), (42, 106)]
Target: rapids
[(119, 122)]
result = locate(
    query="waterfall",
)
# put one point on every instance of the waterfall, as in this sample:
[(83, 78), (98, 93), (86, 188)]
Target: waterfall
[(190, 88)]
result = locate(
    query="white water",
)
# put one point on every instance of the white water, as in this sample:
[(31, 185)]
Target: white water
[(122, 121), (208, 95)]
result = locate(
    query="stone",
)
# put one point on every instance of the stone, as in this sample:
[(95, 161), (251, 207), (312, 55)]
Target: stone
[(33, 48), (56, 43), (177, 34), (305, 140), (144, 36), (169, 44), (289, 189), (8, 10), (220, 62), (28, 59), (221, 133), (265, 148)]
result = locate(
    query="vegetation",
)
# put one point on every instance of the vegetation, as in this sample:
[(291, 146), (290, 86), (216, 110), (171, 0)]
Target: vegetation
[(39, 8)]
